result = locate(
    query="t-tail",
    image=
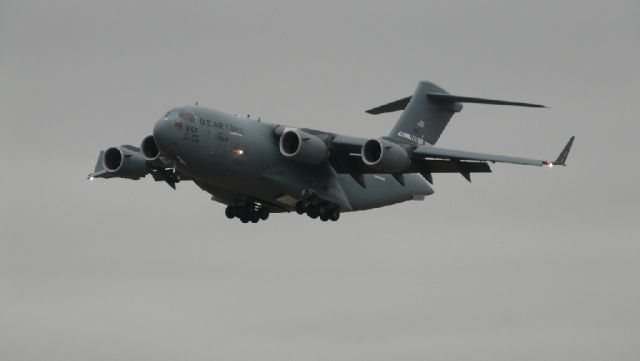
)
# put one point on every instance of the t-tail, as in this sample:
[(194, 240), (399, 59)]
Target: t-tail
[(428, 112)]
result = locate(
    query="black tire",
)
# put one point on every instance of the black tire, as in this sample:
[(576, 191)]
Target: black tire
[(242, 212), (254, 216), (334, 215), (264, 213), (312, 212), (244, 219), (322, 211), (230, 212), (324, 217), (300, 207)]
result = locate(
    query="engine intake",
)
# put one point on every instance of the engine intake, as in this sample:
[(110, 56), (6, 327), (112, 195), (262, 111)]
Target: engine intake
[(124, 163), (149, 148), (303, 147), (385, 156)]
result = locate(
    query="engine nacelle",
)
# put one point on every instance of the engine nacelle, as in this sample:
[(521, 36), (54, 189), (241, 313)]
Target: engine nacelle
[(303, 147), (124, 163), (149, 149), (385, 156)]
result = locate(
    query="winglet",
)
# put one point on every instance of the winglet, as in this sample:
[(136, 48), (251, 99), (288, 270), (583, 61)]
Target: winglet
[(99, 171), (562, 158)]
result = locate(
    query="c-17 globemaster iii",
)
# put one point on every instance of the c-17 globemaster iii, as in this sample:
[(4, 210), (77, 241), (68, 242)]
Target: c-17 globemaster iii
[(256, 168)]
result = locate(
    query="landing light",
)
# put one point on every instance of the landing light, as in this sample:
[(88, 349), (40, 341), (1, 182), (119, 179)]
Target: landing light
[(238, 151), (90, 178), (550, 164)]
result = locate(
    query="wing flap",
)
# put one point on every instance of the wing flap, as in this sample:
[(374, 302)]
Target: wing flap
[(460, 155), (453, 154), (354, 165), (447, 166)]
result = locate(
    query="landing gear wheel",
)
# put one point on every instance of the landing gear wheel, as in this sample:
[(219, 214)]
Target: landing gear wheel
[(230, 212), (300, 207), (334, 215), (324, 217), (254, 216), (241, 212), (312, 212), (263, 213), (244, 219)]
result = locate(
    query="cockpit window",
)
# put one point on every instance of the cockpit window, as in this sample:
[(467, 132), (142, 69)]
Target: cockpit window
[(173, 114), (178, 115), (188, 117)]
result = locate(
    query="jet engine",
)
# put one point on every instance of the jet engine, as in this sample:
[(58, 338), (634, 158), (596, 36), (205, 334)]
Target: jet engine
[(124, 163), (303, 147), (385, 156), (149, 149)]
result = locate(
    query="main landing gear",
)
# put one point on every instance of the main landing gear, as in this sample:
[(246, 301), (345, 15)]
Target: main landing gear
[(252, 212), (324, 211)]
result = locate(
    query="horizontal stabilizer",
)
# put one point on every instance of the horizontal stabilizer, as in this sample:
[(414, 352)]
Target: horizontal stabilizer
[(448, 98), (390, 107), (443, 98)]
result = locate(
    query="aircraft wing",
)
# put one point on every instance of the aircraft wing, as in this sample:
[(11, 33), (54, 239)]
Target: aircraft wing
[(347, 144), (452, 154), (352, 145), (461, 155), (136, 167), (429, 159)]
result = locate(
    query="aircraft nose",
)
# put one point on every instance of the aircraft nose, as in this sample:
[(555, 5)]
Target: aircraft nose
[(164, 135)]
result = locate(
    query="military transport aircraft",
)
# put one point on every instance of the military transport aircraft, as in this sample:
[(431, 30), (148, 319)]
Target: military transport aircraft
[(256, 168)]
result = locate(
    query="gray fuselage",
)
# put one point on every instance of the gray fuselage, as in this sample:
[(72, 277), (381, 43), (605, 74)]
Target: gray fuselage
[(238, 159)]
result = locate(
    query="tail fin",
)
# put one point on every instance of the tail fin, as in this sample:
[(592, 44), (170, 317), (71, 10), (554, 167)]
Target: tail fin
[(428, 112), (423, 119)]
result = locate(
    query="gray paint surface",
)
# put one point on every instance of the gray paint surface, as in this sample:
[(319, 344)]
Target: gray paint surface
[(257, 168), (526, 263)]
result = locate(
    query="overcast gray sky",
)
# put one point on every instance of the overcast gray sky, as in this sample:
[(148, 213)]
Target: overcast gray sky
[(523, 264)]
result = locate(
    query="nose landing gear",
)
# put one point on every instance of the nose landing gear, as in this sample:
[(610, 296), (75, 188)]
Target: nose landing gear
[(251, 212)]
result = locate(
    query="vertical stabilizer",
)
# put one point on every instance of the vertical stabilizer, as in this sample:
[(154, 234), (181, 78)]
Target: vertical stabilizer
[(424, 119), (428, 112)]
